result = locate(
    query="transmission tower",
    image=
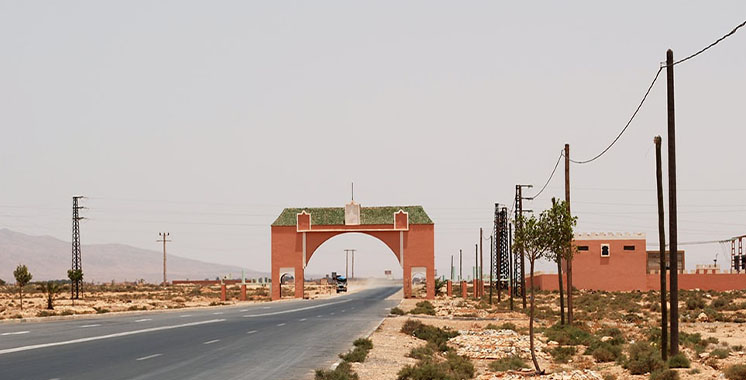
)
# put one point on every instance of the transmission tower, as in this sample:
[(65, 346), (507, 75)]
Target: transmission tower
[(502, 248), (77, 264)]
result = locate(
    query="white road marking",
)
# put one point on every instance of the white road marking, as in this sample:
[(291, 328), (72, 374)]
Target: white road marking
[(185, 315), (94, 325), (251, 332), (15, 333), (108, 336), (143, 320), (280, 324), (266, 307), (212, 341), (319, 316), (217, 313), (302, 319), (332, 313), (294, 310), (148, 357), (243, 310), (343, 310)]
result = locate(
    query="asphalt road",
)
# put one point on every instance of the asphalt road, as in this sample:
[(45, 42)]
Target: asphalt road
[(282, 340)]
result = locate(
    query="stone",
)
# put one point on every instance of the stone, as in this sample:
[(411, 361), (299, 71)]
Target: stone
[(606, 338), (702, 317)]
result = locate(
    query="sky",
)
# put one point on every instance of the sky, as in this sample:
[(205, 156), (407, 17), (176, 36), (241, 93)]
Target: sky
[(206, 118)]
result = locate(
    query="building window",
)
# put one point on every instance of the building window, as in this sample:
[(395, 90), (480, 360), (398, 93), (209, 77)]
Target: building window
[(582, 248), (629, 247), (605, 250)]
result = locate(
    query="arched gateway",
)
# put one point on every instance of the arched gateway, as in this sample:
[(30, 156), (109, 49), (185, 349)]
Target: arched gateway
[(407, 230)]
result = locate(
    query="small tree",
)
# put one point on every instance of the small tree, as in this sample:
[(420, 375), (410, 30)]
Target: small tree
[(51, 289), (531, 238), (23, 277), (559, 230), (2, 282), (75, 276)]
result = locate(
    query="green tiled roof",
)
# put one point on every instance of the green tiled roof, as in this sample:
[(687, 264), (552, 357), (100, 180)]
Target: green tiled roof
[(325, 216)]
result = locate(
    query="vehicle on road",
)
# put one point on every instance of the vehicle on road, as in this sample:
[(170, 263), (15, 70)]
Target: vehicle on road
[(341, 284)]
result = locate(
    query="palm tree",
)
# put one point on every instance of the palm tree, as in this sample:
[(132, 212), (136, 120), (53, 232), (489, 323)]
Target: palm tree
[(51, 289), (23, 277)]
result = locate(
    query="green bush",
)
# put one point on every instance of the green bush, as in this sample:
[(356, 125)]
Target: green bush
[(606, 352), (397, 311), (504, 326), (342, 372), (455, 367), (664, 374), (508, 363), (423, 307), (562, 354), (678, 361), (735, 372), (423, 352), (643, 358), (360, 352), (568, 335), (720, 353), (695, 303), (437, 336)]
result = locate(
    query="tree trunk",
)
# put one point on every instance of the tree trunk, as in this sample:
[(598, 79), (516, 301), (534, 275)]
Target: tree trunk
[(49, 302), (531, 320), (20, 291), (561, 293)]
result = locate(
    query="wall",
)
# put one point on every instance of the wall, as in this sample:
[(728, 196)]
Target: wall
[(621, 271)]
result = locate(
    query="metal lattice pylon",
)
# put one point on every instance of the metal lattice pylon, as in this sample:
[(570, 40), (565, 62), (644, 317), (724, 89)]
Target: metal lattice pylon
[(77, 259)]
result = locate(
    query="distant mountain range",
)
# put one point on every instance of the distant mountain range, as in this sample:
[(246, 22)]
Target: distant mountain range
[(48, 258)]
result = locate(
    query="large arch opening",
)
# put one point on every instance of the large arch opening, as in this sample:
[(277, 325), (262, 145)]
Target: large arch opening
[(367, 266), (407, 231)]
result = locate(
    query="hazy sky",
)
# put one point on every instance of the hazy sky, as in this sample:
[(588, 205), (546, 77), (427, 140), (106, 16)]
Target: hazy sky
[(206, 118)]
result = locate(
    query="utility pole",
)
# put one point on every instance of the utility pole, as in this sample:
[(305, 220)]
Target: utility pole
[(476, 270), (559, 276), (662, 243), (570, 253), (164, 239), (510, 263), (481, 264), (492, 267), (672, 225), (352, 266), (451, 269), (77, 261), (519, 210), (460, 266)]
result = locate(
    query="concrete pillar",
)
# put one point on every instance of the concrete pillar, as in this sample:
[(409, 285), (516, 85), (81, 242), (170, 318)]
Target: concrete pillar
[(222, 292), (243, 292), (449, 288), (463, 289)]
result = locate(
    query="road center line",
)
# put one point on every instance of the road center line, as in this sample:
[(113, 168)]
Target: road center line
[(108, 336), (148, 357), (280, 324), (302, 319), (185, 315), (217, 313), (143, 320), (15, 333), (294, 310), (94, 325), (212, 341), (251, 332)]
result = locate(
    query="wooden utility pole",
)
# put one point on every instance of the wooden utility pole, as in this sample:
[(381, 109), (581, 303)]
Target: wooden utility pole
[(451, 269), (164, 239), (510, 264), (559, 276), (672, 225), (492, 265), (476, 271), (353, 264), (481, 264), (460, 265), (569, 248), (662, 243)]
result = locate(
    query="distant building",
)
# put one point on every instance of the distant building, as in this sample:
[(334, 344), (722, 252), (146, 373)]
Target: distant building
[(621, 262)]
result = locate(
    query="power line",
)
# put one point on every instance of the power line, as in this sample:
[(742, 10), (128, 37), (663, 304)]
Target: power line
[(651, 87), (628, 122), (711, 45), (548, 179)]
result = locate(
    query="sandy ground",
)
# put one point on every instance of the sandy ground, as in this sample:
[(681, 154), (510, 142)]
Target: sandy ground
[(101, 299), (390, 346)]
